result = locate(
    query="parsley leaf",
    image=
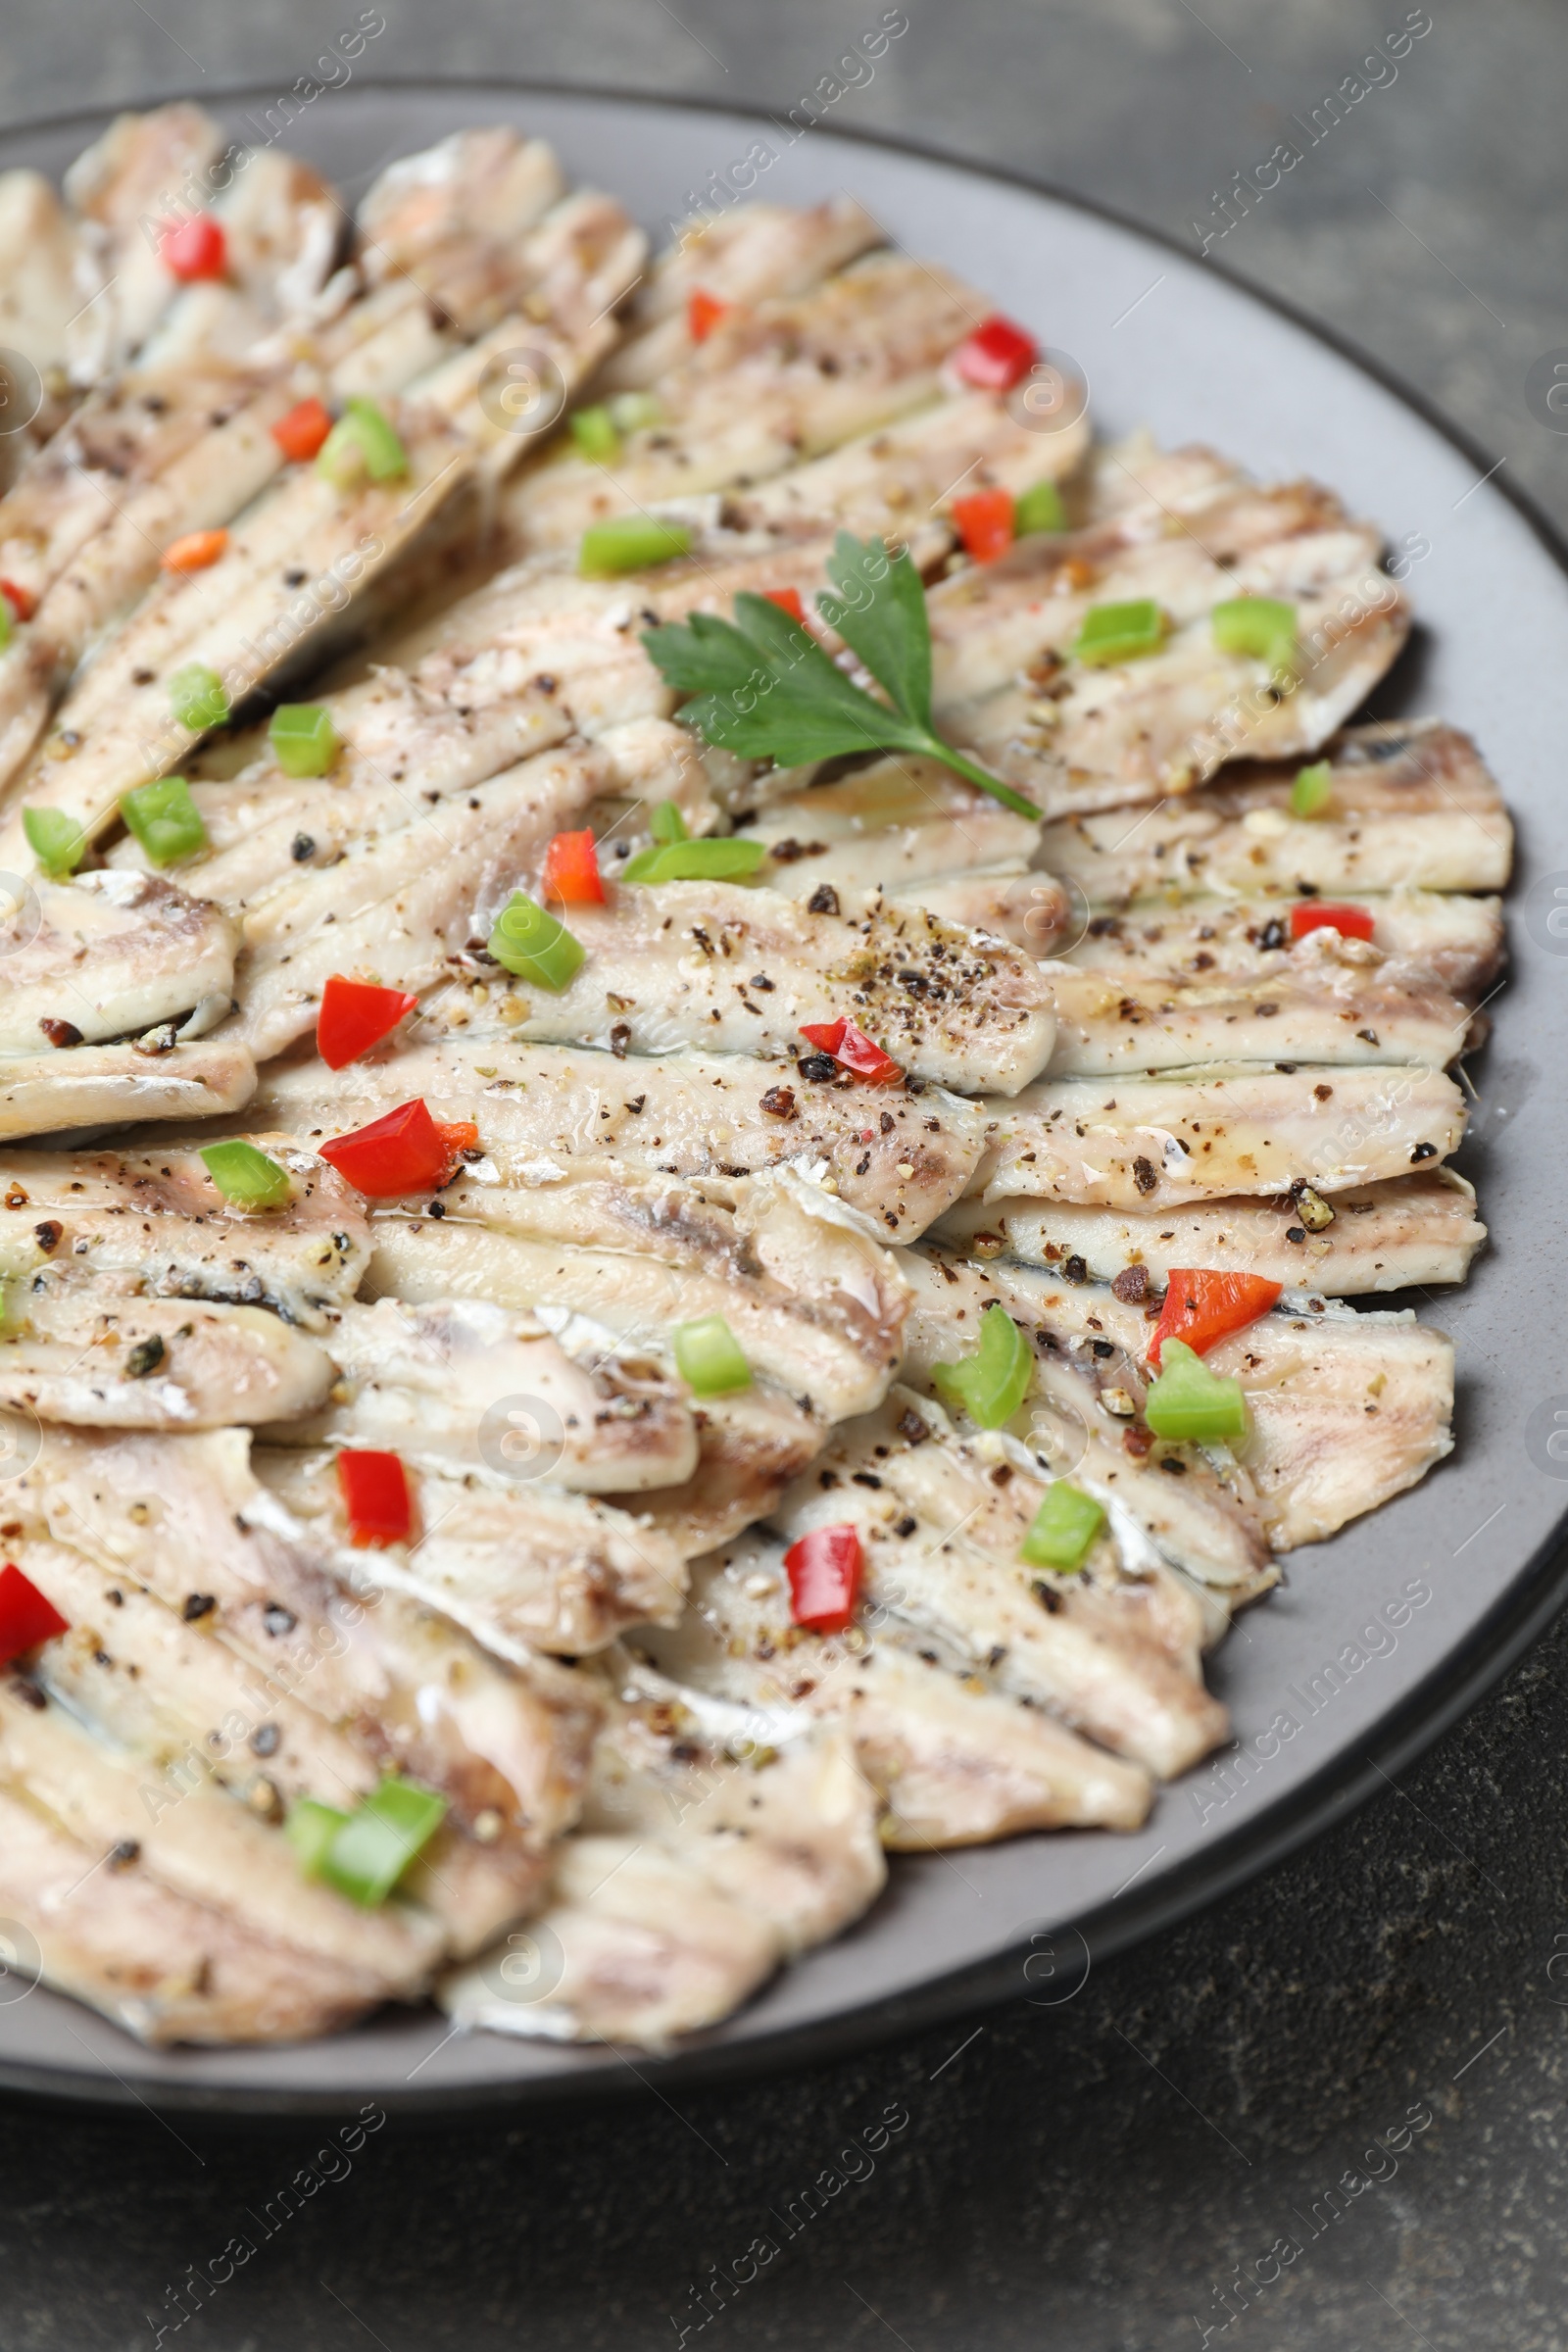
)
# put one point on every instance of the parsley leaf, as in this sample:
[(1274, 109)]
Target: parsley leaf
[(764, 688), (880, 613)]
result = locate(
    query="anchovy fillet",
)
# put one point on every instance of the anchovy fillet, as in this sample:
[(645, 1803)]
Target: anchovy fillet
[(1411, 807), (1409, 1232), (694, 963), (812, 1302), (1140, 1143), (108, 955), (956, 1762), (99, 1086), (1347, 1409), (159, 1217), (1095, 1652), (538, 1108)]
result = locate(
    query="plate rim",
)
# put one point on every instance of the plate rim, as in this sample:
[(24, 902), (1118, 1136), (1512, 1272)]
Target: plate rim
[(1537, 1596)]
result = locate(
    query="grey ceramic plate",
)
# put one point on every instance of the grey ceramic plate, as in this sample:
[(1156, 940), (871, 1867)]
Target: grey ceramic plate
[(1167, 341)]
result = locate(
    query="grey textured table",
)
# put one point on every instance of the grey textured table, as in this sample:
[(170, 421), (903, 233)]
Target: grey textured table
[(1091, 2176)]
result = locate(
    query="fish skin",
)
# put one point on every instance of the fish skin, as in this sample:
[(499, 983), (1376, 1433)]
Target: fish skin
[(99, 1086), (955, 1761), (421, 1381), (677, 960), (1413, 809), (163, 1967), (700, 1114), (112, 954), (1410, 1231), (522, 1569), (157, 1216), (1273, 1128), (1099, 1661), (814, 1304), (1317, 1457), (185, 1514), (73, 1343)]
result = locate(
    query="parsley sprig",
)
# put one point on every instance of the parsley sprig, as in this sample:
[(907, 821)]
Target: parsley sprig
[(764, 688)]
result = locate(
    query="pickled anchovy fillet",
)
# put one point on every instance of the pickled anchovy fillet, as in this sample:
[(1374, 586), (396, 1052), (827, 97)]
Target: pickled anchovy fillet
[(689, 1113), (693, 1877), (1411, 807), (1451, 939), (815, 1306), (1408, 1232), (184, 1515), (109, 956), (691, 963), (1346, 1409), (956, 1762), (159, 1217), (81, 1348), (1100, 1652), (1134, 1143), (433, 1383), (522, 1567), (98, 1086), (165, 1966)]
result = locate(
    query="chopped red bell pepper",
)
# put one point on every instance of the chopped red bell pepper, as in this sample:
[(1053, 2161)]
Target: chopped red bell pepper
[(571, 870), (788, 600), (301, 433), (824, 1571), (1202, 1307), (374, 1487), (354, 1016), (851, 1046), (1313, 914), (195, 551), (985, 523), (23, 604), (404, 1152), (704, 312), (194, 248), (996, 354), (26, 1617)]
